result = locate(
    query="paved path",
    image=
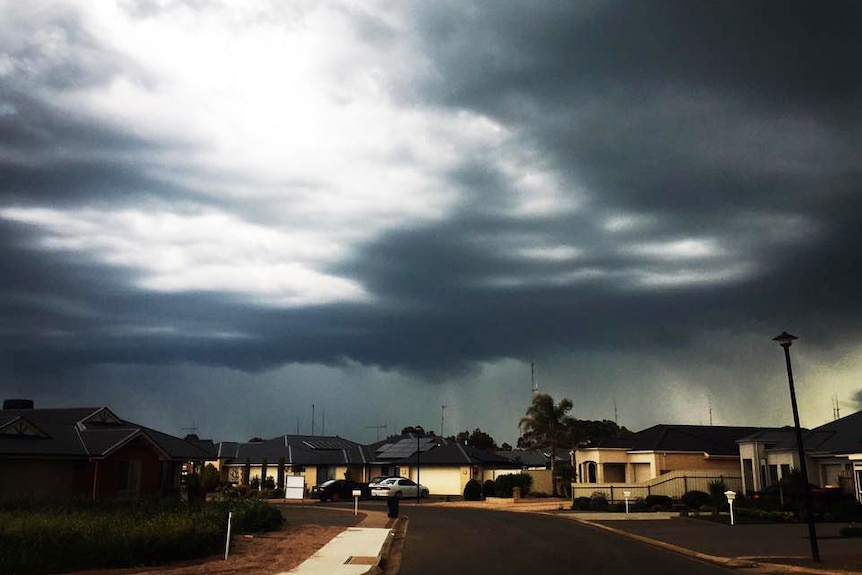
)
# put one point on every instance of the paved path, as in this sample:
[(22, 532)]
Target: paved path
[(354, 551)]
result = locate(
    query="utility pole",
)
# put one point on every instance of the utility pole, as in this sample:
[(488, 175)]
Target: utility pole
[(535, 386), (442, 415), (709, 399), (312, 420)]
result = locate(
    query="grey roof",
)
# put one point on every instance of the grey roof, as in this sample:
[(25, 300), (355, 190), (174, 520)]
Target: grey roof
[(82, 432), (296, 450), (712, 439), (532, 457), (840, 437)]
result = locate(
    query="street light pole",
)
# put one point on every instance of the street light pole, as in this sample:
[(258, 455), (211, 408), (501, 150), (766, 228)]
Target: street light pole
[(785, 340)]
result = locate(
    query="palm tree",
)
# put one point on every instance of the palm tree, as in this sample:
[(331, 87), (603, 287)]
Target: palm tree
[(546, 424)]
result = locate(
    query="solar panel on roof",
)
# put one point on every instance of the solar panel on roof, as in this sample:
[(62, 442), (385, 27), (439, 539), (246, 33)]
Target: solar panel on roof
[(325, 444)]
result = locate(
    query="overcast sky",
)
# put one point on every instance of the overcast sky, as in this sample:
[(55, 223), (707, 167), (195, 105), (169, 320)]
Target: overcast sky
[(218, 214)]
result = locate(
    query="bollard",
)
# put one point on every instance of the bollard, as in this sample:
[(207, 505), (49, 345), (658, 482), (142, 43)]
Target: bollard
[(392, 503)]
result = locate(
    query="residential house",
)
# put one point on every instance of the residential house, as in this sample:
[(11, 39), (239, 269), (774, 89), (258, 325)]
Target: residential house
[(537, 464), (659, 450), (441, 465), (315, 458), (833, 455), (661, 460), (86, 453)]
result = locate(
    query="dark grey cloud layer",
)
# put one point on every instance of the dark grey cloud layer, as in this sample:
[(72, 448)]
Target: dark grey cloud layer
[(738, 122)]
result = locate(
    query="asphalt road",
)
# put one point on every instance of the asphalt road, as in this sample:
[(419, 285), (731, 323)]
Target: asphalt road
[(447, 540)]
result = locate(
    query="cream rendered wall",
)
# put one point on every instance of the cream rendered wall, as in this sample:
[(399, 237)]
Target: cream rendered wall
[(442, 480)]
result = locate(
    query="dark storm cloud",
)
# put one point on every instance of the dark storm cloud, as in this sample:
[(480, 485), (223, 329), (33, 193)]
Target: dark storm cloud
[(734, 122)]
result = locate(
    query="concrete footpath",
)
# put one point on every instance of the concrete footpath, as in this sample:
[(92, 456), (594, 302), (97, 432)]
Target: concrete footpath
[(355, 551)]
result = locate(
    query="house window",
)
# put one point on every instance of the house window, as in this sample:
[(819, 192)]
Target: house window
[(748, 473), (591, 472), (325, 473), (129, 481), (773, 474)]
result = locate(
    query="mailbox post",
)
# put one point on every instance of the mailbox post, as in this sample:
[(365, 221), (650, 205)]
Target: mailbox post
[(627, 494), (357, 493), (731, 495)]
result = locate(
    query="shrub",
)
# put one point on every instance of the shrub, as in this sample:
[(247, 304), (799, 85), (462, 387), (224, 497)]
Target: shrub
[(716, 492), (210, 479), (851, 531), (696, 499), (505, 484), (488, 488), (598, 501), (111, 534), (473, 491), (581, 503), (658, 502)]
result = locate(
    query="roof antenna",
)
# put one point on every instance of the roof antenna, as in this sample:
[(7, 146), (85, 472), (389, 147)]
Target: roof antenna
[(836, 408), (312, 420), (193, 430), (616, 419)]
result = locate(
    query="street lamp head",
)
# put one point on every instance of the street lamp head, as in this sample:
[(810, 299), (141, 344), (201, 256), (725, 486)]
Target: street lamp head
[(784, 339)]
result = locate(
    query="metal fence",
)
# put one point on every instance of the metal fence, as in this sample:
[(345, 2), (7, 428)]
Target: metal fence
[(673, 484)]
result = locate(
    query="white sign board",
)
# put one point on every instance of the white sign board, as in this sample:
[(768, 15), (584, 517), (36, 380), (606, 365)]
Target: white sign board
[(294, 487)]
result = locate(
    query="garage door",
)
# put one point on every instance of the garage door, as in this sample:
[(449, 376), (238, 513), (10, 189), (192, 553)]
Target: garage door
[(445, 481)]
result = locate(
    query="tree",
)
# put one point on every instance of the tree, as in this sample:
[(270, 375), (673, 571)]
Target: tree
[(246, 471), (506, 447), (418, 430), (477, 438), (545, 425), (263, 467), (280, 474), (584, 431)]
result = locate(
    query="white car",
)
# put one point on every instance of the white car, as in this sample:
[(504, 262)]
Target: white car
[(398, 487)]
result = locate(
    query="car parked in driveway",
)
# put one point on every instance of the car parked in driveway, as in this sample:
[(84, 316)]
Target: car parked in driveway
[(399, 487), (339, 489)]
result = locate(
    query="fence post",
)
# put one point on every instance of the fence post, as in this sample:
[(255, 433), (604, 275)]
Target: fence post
[(612, 493), (685, 483)]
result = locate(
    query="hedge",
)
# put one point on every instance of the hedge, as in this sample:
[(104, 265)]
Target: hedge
[(100, 535)]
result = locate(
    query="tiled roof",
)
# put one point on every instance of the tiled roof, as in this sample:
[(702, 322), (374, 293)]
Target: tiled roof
[(296, 450), (842, 436), (81, 432), (712, 439)]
